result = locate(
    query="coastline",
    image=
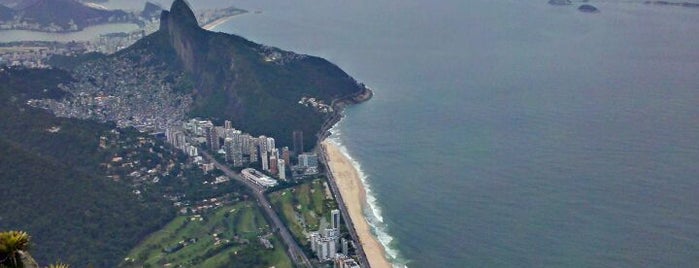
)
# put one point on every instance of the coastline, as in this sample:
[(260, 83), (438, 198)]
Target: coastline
[(211, 25), (352, 191)]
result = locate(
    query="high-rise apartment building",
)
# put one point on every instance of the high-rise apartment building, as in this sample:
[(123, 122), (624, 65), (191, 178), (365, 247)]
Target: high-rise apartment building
[(270, 144), (298, 142), (286, 155), (212, 138), (252, 149), (281, 168), (273, 164), (228, 148), (264, 160), (335, 217)]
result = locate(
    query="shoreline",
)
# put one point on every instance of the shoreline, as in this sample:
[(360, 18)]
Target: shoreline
[(351, 189), (211, 25)]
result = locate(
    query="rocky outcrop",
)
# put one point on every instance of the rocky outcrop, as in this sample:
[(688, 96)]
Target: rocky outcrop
[(184, 33), (560, 2), (588, 9), (151, 10), (257, 87), (679, 4)]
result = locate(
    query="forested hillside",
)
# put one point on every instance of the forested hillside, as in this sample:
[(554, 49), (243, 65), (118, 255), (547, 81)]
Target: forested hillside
[(51, 183)]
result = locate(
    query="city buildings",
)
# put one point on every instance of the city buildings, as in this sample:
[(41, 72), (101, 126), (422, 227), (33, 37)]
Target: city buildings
[(238, 148), (178, 139), (211, 138), (342, 261), (308, 162), (324, 244)]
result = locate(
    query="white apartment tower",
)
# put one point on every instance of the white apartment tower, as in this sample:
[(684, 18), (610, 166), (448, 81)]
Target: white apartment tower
[(335, 219), (270, 144), (281, 168)]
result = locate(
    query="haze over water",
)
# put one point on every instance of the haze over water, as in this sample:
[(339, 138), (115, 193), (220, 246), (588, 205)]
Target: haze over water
[(515, 133)]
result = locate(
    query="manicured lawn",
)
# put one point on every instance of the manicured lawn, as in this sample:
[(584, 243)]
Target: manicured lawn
[(303, 208), (216, 239)]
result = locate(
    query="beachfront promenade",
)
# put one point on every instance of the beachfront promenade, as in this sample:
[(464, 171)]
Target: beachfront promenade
[(295, 251), (362, 259)]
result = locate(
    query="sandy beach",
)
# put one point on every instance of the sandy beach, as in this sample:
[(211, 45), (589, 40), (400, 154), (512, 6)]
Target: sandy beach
[(352, 191), (211, 25)]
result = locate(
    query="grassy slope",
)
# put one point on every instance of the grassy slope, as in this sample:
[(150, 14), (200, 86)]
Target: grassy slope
[(307, 200), (242, 219)]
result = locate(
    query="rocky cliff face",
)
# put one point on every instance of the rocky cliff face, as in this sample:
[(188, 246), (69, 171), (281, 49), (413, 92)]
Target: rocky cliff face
[(184, 33)]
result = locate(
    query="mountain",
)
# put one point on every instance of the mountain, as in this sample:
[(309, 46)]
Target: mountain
[(151, 10), (5, 13), (255, 86), (13, 3), (67, 14)]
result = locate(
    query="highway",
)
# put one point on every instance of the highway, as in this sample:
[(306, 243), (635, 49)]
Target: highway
[(296, 253), (363, 261), (322, 135)]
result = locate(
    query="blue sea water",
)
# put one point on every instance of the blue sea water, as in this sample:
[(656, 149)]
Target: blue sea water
[(514, 133)]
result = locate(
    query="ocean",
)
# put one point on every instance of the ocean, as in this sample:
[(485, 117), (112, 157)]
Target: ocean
[(514, 133)]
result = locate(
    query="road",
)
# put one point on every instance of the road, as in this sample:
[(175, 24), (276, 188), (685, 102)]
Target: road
[(322, 135), (363, 261), (296, 253)]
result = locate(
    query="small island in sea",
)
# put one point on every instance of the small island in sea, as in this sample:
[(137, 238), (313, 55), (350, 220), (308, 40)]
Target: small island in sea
[(588, 9)]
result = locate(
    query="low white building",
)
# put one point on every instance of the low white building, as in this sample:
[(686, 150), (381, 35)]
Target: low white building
[(258, 177)]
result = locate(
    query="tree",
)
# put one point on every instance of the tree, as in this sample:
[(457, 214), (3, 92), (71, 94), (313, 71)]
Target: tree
[(14, 247), (13, 250)]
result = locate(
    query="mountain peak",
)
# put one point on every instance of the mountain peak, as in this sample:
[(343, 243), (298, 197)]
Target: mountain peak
[(182, 14), (179, 18), (183, 31)]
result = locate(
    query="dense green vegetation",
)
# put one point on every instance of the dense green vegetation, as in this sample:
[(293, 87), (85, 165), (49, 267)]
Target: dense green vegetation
[(225, 237), (51, 183), (89, 192), (70, 62)]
